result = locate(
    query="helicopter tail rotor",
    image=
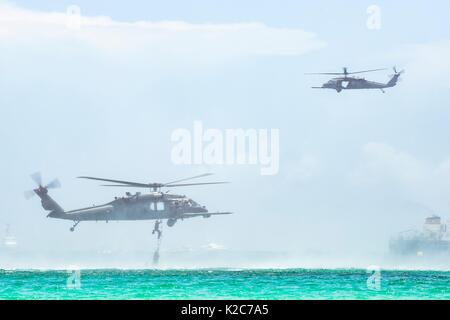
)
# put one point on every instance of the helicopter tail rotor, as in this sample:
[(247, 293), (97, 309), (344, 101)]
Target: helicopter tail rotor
[(29, 194), (37, 178), (397, 72), (394, 78)]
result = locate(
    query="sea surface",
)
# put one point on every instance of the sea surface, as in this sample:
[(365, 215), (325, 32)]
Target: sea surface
[(224, 284)]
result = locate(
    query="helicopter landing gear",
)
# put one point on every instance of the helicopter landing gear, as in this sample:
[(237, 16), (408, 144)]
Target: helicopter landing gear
[(74, 226)]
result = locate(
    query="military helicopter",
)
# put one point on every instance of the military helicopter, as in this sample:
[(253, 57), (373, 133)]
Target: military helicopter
[(350, 83), (156, 205)]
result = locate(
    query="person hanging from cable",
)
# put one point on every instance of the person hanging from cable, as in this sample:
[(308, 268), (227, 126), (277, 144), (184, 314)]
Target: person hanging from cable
[(156, 228)]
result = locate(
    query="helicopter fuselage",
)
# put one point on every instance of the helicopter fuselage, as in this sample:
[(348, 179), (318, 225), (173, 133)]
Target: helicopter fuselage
[(156, 205), (340, 84), (152, 206), (347, 82)]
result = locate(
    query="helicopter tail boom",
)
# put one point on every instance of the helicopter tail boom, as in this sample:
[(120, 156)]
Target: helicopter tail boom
[(42, 192), (204, 215), (393, 81), (394, 78), (47, 202)]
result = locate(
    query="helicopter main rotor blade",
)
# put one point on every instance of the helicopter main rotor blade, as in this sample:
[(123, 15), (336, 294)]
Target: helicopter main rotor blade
[(129, 183), (193, 184), (122, 183), (366, 71), (125, 185), (344, 73), (166, 185), (327, 73), (194, 177)]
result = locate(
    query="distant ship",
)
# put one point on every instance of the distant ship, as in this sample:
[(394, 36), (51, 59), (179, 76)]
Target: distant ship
[(432, 240), (9, 241)]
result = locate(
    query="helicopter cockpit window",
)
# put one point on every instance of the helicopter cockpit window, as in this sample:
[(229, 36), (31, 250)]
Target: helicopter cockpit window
[(157, 206), (192, 203), (160, 206)]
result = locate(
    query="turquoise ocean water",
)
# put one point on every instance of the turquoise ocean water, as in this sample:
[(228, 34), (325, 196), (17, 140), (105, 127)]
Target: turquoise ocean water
[(223, 284)]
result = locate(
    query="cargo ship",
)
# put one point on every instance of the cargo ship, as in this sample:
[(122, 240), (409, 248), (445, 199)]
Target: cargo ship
[(434, 239)]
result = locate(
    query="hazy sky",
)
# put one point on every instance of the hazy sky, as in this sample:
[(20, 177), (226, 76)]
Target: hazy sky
[(103, 100)]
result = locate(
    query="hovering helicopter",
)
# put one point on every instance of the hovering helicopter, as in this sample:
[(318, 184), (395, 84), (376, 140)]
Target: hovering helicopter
[(347, 83), (156, 205)]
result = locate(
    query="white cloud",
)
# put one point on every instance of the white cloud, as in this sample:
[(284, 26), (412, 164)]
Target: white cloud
[(443, 169), (385, 167), (175, 40), (381, 160), (306, 168), (426, 63)]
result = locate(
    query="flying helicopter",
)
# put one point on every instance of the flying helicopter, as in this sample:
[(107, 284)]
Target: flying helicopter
[(346, 82), (156, 205)]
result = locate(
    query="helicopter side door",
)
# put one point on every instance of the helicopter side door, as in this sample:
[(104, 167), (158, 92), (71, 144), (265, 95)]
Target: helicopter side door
[(345, 84)]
